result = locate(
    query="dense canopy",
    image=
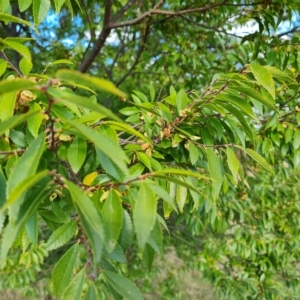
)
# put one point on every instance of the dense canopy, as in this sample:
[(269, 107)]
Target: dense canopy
[(131, 128)]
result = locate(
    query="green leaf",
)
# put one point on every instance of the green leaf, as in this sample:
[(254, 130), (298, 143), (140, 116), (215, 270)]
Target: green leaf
[(239, 102), (194, 152), (144, 158), (27, 164), (152, 92), (7, 104), (144, 214), (61, 235), (91, 293), (181, 196), (123, 286), (4, 5), (24, 4), (58, 5), (128, 129), (35, 121), (163, 194), (215, 168), (148, 256), (280, 75), (171, 171), (92, 82), (32, 229), (264, 78), (82, 102), (3, 65), (86, 207), (60, 61), (102, 142), (253, 94), (21, 49), (181, 101), (9, 18), (127, 233), (77, 153), (156, 238), (25, 66), (74, 289), (233, 163), (63, 271), (29, 206), (259, 159), (112, 216), (40, 10), (177, 181), (18, 84)]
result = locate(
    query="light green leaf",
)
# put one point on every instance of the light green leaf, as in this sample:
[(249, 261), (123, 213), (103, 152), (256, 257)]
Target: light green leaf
[(144, 214), (163, 194), (61, 235), (20, 48), (233, 163), (194, 152), (77, 153), (181, 196), (7, 105), (253, 94), (58, 5), (86, 208), (112, 216), (123, 286), (102, 142), (171, 171), (14, 121), (24, 4), (74, 289), (259, 159), (35, 121), (40, 10), (152, 92), (3, 65), (128, 129), (31, 202), (177, 181), (63, 271), (11, 85), (9, 18), (4, 5), (181, 101), (27, 164), (82, 102), (276, 73), (215, 169), (264, 78), (60, 61), (91, 293), (32, 229), (25, 66), (92, 82), (144, 158)]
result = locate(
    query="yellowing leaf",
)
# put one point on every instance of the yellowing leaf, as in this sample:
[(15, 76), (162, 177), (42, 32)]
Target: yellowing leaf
[(88, 179)]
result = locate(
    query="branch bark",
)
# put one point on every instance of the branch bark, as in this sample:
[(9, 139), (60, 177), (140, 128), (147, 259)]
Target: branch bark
[(156, 11), (86, 63)]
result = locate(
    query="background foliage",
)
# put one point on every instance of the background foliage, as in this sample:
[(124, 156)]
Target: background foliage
[(183, 135)]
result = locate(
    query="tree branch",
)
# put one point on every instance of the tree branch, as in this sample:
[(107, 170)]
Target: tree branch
[(139, 53), (156, 11), (101, 39), (121, 12)]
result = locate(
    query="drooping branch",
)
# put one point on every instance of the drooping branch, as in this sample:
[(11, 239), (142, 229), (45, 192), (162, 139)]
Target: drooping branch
[(101, 39)]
